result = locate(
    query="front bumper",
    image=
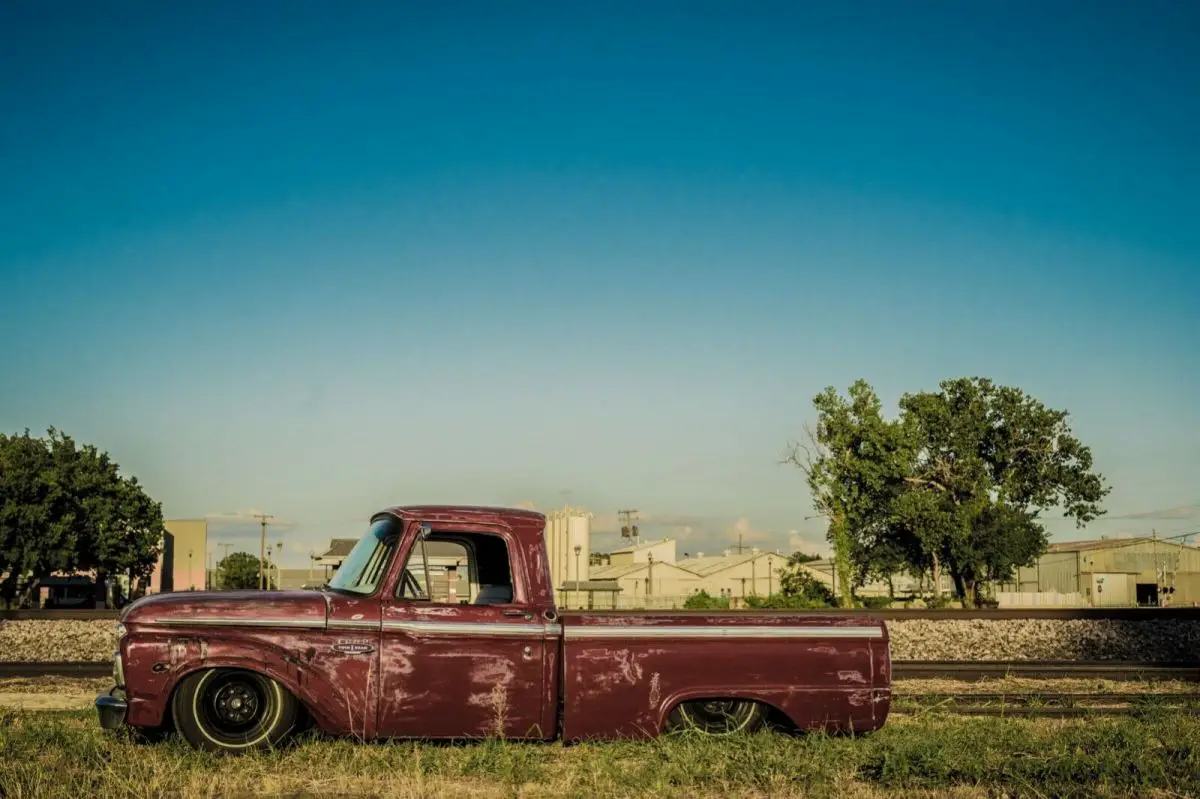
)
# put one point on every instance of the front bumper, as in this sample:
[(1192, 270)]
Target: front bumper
[(112, 709)]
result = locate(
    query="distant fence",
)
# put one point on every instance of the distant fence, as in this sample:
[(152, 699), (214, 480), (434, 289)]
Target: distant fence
[(1037, 599)]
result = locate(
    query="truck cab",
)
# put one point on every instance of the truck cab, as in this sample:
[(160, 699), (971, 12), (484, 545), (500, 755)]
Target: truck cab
[(441, 623)]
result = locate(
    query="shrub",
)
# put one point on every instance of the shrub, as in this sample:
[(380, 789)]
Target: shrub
[(702, 600)]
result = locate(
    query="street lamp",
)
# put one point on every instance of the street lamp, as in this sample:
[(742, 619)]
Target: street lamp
[(191, 580), (578, 549)]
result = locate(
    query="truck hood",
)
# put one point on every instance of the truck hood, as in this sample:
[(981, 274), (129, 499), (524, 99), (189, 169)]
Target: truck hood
[(212, 607)]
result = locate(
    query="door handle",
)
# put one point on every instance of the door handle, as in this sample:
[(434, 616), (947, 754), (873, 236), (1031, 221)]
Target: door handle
[(524, 613)]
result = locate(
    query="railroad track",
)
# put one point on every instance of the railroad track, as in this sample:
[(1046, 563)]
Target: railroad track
[(70, 669), (1043, 669), (1058, 705)]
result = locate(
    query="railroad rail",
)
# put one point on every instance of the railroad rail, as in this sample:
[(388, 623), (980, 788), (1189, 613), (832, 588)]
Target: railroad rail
[(1060, 705), (888, 614), (1043, 670)]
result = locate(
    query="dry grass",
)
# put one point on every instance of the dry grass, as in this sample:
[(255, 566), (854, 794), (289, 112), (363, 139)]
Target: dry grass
[(66, 754), (56, 685)]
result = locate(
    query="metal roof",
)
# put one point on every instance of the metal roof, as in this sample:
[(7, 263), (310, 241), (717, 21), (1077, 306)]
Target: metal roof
[(637, 547), (711, 564), (339, 547), (1109, 543)]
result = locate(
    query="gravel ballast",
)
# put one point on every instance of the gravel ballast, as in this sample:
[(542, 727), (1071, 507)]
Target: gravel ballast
[(1159, 640), (1152, 640)]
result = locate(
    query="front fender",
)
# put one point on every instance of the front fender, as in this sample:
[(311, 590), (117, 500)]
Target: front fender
[(155, 664)]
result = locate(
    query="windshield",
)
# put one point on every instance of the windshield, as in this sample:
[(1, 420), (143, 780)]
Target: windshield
[(363, 568)]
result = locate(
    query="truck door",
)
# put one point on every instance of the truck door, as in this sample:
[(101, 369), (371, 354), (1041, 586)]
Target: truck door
[(462, 653)]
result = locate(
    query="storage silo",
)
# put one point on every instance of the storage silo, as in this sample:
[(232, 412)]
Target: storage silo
[(566, 529)]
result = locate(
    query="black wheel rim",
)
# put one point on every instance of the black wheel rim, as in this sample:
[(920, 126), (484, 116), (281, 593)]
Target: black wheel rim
[(234, 707)]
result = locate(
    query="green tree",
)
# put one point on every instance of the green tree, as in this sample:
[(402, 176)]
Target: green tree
[(239, 571), (799, 588), (854, 465), (67, 508), (987, 460)]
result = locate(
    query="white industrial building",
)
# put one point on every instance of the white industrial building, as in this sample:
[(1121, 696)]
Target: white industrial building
[(569, 547)]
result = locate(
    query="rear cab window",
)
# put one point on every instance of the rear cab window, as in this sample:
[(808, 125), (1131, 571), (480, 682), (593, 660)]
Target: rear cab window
[(458, 569)]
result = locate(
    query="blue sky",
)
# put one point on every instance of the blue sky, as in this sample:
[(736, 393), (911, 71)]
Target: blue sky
[(320, 262)]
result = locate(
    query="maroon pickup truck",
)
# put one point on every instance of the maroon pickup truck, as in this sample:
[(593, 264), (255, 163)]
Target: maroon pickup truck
[(392, 647)]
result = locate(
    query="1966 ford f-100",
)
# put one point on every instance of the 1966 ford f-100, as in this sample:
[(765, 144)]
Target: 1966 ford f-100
[(441, 623)]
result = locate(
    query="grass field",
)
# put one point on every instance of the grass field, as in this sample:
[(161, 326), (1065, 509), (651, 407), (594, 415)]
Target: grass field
[(66, 754)]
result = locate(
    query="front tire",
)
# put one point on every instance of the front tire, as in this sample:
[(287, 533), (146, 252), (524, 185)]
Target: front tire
[(233, 711), (719, 716)]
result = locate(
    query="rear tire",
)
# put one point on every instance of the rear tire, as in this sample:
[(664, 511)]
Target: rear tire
[(718, 716), (233, 711)]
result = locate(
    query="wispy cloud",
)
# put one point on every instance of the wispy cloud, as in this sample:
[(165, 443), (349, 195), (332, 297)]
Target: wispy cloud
[(1165, 514), (798, 542)]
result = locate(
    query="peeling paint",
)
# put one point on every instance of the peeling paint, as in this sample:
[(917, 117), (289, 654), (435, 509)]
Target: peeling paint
[(654, 690)]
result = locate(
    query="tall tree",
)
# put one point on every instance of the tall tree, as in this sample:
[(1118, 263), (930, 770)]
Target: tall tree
[(36, 534), (67, 508), (987, 461), (854, 464), (239, 571)]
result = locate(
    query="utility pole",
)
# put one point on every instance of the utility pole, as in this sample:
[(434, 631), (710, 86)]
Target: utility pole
[(262, 549), (628, 528), (739, 543), (227, 546)]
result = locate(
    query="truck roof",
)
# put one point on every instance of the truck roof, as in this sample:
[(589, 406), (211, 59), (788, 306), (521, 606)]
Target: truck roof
[(465, 513)]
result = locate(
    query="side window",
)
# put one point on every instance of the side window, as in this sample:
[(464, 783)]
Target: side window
[(458, 569)]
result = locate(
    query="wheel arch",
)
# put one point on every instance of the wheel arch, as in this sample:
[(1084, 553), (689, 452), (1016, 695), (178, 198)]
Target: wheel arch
[(260, 667), (672, 702)]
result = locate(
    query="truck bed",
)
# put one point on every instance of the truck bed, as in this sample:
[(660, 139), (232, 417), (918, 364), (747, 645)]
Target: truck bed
[(622, 672)]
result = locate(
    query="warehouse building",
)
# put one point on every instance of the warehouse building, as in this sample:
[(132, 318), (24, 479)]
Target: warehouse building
[(643, 584), (753, 573), (660, 551), (183, 562), (1109, 572)]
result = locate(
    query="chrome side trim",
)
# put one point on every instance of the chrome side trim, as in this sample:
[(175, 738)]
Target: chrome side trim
[(731, 631), (353, 624), (472, 628), (237, 621)]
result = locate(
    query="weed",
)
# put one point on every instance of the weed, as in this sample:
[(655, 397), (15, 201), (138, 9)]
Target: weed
[(44, 754)]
